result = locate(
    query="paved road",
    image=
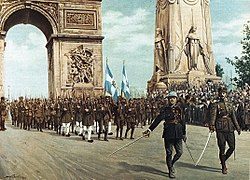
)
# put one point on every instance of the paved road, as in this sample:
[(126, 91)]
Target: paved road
[(46, 155)]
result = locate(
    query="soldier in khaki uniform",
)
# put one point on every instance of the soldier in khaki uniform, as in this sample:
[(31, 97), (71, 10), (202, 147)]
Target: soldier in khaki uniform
[(121, 116), (4, 113), (224, 122), (131, 121), (39, 115), (88, 118), (21, 110), (67, 117)]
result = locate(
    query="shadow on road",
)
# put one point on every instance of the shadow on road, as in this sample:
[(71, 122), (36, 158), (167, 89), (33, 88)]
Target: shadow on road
[(199, 167), (141, 168)]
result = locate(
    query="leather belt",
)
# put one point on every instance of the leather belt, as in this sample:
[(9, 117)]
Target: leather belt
[(175, 121)]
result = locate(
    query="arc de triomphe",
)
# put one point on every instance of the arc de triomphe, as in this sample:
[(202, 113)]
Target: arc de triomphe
[(73, 29)]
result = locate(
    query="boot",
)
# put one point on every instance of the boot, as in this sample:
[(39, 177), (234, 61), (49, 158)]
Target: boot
[(117, 132), (126, 133), (105, 136), (121, 134), (99, 135), (224, 169), (132, 133), (223, 164), (171, 173)]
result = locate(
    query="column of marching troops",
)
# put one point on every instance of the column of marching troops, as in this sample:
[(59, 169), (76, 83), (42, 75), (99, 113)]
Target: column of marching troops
[(86, 116), (80, 116)]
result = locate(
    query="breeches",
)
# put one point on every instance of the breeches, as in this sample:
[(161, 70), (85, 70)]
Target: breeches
[(222, 138), (169, 144)]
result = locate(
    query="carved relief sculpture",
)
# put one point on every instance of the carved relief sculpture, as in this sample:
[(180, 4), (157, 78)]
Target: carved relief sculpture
[(80, 65), (85, 19), (52, 8)]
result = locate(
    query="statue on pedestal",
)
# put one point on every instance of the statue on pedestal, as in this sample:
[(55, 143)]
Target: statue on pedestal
[(160, 55)]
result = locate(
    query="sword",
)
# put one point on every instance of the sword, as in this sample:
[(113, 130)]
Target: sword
[(189, 152), (209, 136), (126, 145)]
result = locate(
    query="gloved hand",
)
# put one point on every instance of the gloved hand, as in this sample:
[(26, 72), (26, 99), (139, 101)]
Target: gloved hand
[(184, 138), (211, 129), (239, 132), (146, 133)]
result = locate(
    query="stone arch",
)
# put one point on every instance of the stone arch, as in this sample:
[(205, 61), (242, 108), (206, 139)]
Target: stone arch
[(29, 14), (67, 26)]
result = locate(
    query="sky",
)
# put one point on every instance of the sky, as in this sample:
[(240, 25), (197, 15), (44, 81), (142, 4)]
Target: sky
[(128, 28)]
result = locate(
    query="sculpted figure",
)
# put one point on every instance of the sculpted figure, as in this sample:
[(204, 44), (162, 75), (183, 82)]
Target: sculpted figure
[(160, 52), (192, 48)]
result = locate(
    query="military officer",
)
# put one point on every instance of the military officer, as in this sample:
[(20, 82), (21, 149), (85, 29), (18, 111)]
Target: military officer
[(174, 130), (224, 122)]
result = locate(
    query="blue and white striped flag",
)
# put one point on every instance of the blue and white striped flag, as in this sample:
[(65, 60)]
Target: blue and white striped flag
[(125, 83), (110, 84)]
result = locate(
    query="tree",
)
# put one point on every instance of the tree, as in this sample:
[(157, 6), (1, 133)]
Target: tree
[(242, 64), (219, 70)]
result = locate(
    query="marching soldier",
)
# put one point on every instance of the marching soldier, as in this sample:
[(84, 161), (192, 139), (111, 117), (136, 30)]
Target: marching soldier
[(4, 113), (67, 117), (14, 112), (78, 116), (105, 118), (99, 116), (131, 121), (246, 114), (47, 114), (21, 110), (88, 118), (148, 111), (174, 130), (52, 113), (29, 116), (121, 116), (58, 115), (224, 122), (39, 115)]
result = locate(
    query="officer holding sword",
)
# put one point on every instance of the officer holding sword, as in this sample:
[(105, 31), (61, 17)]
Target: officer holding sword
[(174, 130)]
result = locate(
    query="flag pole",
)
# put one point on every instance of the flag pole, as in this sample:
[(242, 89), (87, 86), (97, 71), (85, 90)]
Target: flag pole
[(105, 76), (122, 77)]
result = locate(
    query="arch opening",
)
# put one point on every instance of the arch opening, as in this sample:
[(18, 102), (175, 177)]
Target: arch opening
[(25, 62)]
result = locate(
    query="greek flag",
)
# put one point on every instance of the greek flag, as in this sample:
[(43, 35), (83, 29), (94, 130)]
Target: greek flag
[(110, 84), (125, 84)]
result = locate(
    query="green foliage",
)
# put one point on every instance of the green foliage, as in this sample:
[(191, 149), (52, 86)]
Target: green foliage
[(219, 70), (242, 64)]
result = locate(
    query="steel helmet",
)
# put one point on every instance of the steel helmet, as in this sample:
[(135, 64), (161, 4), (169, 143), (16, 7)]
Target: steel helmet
[(172, 94)]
